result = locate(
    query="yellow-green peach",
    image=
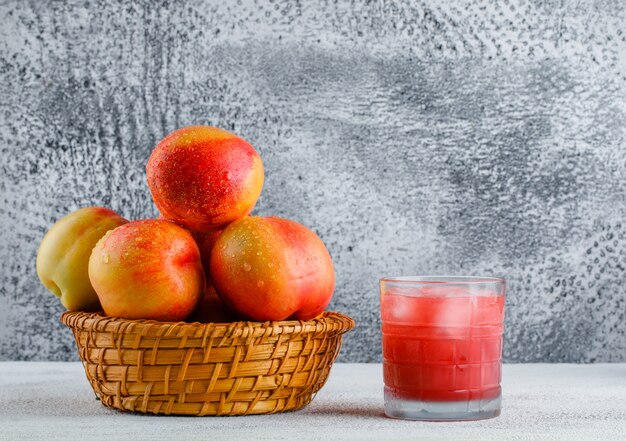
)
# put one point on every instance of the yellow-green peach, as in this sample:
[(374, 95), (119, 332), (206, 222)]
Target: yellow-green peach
[(63, 255)]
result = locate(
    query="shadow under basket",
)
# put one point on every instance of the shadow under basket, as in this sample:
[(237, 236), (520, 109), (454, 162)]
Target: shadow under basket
[(237, 368)]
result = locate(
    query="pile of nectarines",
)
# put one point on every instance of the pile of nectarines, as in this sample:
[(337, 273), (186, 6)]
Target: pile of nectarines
[(204, 259)]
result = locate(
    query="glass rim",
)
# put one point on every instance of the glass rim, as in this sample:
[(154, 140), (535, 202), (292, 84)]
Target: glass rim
[(442, 280)]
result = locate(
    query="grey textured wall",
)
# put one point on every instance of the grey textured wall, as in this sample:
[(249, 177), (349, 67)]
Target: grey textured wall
[(479, 137)]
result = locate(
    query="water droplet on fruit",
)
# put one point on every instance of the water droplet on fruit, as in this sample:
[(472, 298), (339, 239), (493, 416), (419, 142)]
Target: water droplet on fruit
[(260, 283), (271, 265), (258, 253), (246, 266), (105, 258)]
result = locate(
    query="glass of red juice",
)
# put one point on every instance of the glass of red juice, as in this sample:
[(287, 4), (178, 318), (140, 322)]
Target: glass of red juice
[(442, 347)]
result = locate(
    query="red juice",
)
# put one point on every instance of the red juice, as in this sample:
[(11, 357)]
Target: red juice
[(442, 344)]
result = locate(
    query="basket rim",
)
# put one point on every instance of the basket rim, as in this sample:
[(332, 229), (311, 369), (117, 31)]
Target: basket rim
[(99, 322)]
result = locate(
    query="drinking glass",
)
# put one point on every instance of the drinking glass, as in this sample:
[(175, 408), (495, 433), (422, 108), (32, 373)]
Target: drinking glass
[(442, 347)]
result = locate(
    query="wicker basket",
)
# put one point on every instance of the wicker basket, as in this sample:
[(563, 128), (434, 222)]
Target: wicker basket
[(200, 369)]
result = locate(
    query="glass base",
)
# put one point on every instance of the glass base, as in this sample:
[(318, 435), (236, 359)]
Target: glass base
[(418, 410)]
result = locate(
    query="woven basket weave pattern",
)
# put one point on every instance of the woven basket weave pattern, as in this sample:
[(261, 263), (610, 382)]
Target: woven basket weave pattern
[(206, 369)]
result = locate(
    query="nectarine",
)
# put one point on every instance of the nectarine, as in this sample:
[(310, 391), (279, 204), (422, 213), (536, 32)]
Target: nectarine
[(204, 178), (63, 255), (148, 269), (272, 269), (210, 308)]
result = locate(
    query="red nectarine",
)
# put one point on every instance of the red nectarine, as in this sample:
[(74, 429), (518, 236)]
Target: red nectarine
[(148, 269), (204, 178), (272, 269), (210, 308)]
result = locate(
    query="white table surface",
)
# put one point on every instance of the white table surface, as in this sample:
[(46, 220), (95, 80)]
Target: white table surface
[(53, 401)]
